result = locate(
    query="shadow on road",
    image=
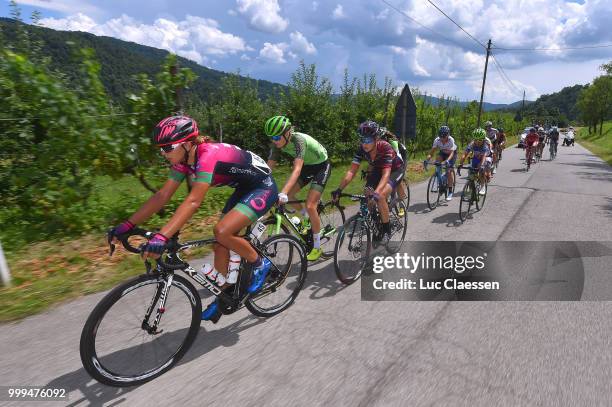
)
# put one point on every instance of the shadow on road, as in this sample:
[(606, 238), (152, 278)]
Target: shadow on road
[(448, 219), (322, 281), (607, 207), (94, 393)]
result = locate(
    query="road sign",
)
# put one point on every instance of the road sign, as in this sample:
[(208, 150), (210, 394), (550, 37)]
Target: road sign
[(404, 124)]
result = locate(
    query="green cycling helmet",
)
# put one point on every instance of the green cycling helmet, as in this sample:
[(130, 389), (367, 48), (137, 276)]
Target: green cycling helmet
[(479, 134), (275, 126)]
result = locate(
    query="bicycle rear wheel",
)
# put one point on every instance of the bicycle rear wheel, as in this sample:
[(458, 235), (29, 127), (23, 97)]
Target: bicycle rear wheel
[(117, 349), (353, 248), (332, 218), (465, 204), (286, 277)]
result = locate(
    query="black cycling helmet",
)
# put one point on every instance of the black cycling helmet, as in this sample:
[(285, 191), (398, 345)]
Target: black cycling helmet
[(368, 128), (174, 129), (500, 130), (444, 131)]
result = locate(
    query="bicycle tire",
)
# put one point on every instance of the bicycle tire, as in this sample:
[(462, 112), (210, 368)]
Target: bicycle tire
[(466, 201), (354, 226), (431, 202), (395, 220), (480, 199), (278, 276), (326, 225), (96, 366)]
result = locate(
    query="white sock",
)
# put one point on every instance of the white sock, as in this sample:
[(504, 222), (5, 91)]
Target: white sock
[(316, 240)]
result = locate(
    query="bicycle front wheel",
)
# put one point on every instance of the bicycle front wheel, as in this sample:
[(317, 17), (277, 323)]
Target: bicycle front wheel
[(433, 192), (118, 346), (286, 277), (465, 203), (332, 219), (352, 249), (480, 198), (398, 221)]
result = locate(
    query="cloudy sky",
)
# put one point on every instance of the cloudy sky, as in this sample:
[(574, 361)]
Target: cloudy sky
[(266, 39)]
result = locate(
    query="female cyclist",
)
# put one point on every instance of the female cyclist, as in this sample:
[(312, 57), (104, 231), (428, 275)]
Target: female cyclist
[(209, 164)]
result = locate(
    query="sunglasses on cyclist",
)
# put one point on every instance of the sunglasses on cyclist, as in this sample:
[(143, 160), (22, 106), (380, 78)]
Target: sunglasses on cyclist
[(276, 138), (367, 140), (169, 148)]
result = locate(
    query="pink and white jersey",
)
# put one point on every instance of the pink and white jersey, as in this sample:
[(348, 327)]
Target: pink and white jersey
[(220, 164)]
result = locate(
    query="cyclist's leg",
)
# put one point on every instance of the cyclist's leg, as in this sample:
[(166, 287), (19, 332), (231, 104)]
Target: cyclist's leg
[(291, 195), (317, 186), (383, 206)]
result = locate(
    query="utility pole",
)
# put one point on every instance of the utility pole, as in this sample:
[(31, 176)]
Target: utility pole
[(178, 103), (484, 79)]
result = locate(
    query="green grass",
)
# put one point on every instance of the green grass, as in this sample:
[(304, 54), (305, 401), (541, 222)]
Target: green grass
[(51, 272), (601, 145)]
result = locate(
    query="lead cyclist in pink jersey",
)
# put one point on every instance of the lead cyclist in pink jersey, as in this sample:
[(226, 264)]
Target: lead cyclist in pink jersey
[(210, 165)]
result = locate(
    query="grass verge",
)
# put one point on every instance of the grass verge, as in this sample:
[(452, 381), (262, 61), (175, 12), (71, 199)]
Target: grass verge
[(48, 273), (601, 145)]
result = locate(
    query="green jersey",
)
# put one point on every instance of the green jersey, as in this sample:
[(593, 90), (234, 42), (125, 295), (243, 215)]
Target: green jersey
[(301, 146)]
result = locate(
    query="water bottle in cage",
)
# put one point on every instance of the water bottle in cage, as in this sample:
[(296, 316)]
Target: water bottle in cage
[(213, 275), (234, 266)]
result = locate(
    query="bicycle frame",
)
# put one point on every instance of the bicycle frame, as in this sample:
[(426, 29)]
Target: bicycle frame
[(173, 262), (281, 213)]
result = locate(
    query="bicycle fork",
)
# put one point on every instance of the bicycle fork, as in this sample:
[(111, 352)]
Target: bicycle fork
[(161, 295)]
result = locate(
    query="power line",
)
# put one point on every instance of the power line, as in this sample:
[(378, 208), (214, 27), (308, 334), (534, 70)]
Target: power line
[(422, 25), (504, 75), (88, 116), (454, 22), (552, 49), (507, 81)]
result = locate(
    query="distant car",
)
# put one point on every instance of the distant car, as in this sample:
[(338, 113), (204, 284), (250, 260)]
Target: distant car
[(521, 143)]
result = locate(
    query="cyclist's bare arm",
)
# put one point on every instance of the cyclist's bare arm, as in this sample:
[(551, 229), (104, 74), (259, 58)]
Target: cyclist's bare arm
[(186, 210), (431, 153), (298, 163), (272, 164), (155, 203), (350, 174)]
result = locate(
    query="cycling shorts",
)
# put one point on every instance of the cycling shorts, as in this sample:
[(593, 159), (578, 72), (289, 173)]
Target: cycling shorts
[(395, 178), (316, 174), (487, 164), (444, 157), (253, 202)]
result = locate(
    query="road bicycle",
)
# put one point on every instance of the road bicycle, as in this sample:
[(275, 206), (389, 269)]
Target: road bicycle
[(145, 325), (361, 233), (331, 215), (470, 196), (529, 152), (437, 186), (552, 150)]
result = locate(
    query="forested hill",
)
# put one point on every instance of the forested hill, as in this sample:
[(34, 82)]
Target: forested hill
[(121, 60), (556, 104)]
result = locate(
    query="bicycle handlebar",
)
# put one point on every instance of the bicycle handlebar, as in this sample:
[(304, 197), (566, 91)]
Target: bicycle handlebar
[(172, 243)]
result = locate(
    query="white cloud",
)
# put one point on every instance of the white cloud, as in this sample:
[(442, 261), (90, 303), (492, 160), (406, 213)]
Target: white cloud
[(193, 37), (315, 5), (338, 12), (245, 57), (273, 52), (263, 15), (300, 44)]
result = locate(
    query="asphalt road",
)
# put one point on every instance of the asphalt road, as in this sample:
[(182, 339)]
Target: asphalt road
[(331, 348)]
